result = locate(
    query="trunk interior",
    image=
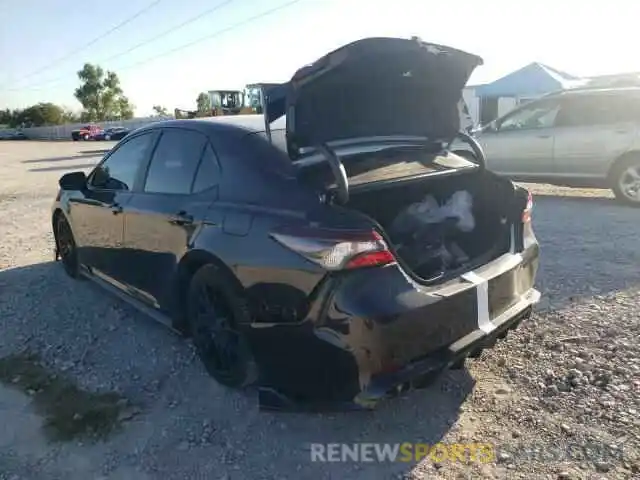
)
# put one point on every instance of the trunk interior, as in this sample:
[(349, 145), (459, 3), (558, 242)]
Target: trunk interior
[(454, 239)]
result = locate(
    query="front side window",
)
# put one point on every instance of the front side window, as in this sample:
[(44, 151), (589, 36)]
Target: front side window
[(119, 170), (175, 161), (539, 115)]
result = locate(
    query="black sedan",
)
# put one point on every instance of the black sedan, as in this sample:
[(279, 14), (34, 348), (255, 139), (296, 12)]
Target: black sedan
[(113, 133), (334, 256)]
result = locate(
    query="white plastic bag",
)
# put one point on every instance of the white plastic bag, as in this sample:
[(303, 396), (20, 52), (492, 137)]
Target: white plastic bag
[(460, 206), (416, 215)]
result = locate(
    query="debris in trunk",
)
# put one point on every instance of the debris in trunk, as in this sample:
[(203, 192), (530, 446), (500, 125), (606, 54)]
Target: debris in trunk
[(425, 233)]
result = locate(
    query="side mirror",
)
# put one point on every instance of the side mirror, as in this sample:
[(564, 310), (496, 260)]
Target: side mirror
[(73, 181)]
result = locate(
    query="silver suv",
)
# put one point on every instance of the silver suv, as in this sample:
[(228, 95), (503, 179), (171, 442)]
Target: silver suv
[(581, 137)]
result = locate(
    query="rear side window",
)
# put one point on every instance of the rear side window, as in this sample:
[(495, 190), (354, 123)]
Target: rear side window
[(175, 161), (271, 156), (208, 174), (599, 110)]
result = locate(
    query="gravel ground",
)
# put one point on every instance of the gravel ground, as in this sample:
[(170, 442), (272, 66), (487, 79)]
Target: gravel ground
[(558, 398)]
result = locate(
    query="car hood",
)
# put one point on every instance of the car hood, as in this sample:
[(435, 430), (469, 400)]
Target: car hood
[(374, 87)]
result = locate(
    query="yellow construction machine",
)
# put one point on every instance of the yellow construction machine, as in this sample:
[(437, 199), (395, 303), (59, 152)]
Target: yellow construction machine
[(254, 97), (249, 101), (226, 102)]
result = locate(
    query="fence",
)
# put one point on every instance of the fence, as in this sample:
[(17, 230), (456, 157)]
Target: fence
[(63, 132)]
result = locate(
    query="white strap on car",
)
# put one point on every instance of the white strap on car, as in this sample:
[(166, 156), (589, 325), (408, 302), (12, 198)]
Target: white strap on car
[(482, 292)]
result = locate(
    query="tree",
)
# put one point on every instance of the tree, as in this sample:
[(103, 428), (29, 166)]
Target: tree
[(41, 114), (101, 95), (203, 103), (70, 116), (124, 108), (6, 116), (160, 111)]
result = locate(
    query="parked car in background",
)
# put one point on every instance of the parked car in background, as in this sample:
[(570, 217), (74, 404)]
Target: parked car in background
[(12, 135), (87, 132), (587, 137), (333, 273), (112, 133), (19, 136)]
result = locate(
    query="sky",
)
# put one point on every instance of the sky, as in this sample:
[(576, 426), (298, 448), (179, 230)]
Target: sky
[(43, 43)]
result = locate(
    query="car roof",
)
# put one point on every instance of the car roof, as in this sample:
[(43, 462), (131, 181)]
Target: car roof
[(592, 90), (229, 124)]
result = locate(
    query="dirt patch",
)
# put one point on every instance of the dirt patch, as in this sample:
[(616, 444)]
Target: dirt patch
[(68, 411)]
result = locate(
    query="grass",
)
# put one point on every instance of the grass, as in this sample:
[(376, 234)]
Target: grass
[(69, 412)]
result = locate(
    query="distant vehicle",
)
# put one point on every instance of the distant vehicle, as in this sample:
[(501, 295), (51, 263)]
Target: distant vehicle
[(13, 135), (113, 133), (586, 137), (254, 97), (336, 252), (227, 102), (87, 132)]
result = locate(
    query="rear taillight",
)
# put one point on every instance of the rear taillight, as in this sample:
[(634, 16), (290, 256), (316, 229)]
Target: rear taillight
[(335, 249), (526, 213)]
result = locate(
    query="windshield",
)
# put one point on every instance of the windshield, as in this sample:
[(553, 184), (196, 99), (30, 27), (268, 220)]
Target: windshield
[(538, 115)]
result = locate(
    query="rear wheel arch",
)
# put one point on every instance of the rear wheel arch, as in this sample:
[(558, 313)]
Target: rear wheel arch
[(187, 268), (617, 167), (622, 160)]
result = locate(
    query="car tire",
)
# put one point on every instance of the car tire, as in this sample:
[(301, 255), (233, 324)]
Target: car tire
[(66, 249), (622, 180), (85, 137), (107, 137), (215, 312)]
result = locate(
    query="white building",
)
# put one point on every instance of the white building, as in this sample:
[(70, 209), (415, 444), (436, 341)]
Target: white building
[(490, 100)]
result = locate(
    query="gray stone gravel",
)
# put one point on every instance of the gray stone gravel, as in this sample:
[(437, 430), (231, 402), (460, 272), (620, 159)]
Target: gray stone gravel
[(570, 378)]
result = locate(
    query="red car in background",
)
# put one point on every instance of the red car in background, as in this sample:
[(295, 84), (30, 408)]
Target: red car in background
[(87, 132)]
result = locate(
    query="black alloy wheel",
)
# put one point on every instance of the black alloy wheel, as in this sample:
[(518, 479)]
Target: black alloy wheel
[(213, 312)]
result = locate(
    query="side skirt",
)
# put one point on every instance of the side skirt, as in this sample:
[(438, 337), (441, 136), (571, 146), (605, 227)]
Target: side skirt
[(121, 293)]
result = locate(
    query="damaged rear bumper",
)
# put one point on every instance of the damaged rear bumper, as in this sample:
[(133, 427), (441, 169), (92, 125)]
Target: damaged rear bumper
[(418, 374), (374, 333)]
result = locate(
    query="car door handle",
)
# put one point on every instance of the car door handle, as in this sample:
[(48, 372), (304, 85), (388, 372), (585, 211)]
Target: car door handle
[(181, 218), (544, 136), (116, 209)]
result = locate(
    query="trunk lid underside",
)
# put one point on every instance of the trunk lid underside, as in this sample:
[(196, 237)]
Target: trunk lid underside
[(374, 87)]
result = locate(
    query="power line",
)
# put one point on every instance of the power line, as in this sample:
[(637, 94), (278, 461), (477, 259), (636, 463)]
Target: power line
[(190, 44), (141, 44), (213, 35), (170, 30), (94, 41)]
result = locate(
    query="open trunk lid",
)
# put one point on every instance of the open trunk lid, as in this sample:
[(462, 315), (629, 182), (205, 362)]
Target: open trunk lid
[(375, 88)]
